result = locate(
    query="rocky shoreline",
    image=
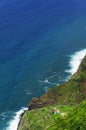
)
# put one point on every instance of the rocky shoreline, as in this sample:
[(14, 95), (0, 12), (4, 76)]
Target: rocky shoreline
[(21, 116), (62, 94)]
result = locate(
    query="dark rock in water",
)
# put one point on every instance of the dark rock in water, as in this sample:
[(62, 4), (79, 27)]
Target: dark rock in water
[(46, 99), (70, 92), (36, 103)]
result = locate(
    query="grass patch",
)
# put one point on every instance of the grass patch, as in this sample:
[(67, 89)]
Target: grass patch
[(42, 118)]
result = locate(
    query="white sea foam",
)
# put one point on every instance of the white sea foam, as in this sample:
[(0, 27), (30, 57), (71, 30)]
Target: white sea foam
[(75, 61), (28, 92), (13, 124), (46, 89), (46, 81), (4, 115)]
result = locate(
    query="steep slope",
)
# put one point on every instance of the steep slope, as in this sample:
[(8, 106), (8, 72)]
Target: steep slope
[(69, 118), (67, 95), (71, 92)]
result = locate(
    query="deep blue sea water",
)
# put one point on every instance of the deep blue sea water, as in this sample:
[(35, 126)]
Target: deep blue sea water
[(36, 41)]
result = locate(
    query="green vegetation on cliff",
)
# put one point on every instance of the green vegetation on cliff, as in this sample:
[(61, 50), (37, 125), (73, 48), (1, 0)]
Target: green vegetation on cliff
[(42, 118), (69, 99), (69, 118), (75, 119)]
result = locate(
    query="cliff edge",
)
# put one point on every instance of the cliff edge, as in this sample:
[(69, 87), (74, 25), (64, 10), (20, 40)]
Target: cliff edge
[(65, 97)]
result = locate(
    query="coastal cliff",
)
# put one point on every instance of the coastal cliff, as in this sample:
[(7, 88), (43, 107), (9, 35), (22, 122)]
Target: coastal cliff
[(67, 98)]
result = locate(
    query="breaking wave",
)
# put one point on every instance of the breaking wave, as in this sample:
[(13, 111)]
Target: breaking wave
[(13, 124), (75, 60)]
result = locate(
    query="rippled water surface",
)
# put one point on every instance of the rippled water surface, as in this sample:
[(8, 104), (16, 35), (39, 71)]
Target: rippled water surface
[(36, 41)]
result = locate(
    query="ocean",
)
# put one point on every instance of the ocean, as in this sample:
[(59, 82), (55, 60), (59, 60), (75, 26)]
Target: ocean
[(41, 45)]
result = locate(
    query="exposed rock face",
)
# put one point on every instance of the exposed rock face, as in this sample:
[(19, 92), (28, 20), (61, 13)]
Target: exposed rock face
[(40, 102), (70, 93), (73, 91), (36, 103), (46, 99)]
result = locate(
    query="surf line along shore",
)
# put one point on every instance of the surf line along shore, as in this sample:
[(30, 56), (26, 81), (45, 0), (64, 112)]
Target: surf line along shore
[(76, 57), (74, 62), (26, 109)]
